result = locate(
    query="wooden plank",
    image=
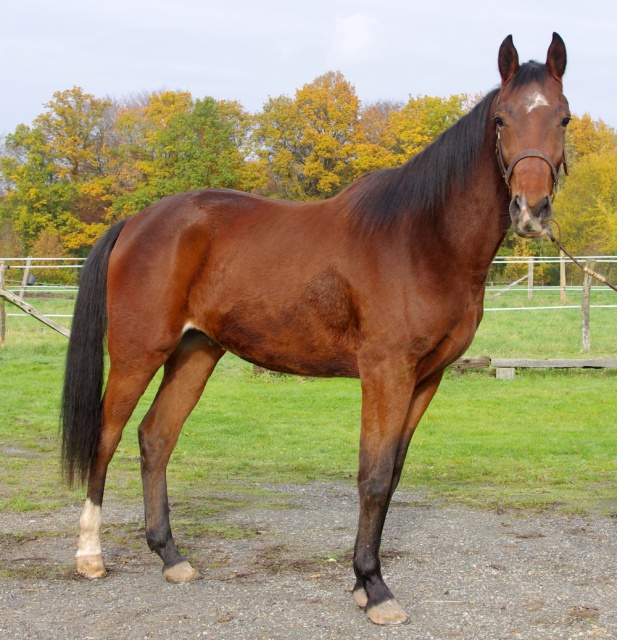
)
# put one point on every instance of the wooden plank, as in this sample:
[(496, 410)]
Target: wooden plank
[(563, 363), (512, 284), (472, 362), (18, 302), (24, 280)]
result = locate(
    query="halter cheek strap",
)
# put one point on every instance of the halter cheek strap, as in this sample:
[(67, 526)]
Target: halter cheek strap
[(506, 172)]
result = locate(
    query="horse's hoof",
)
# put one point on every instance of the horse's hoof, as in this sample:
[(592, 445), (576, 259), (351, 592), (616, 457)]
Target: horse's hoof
[(90, 566), (359, 595), (181, 572), (387, 612)]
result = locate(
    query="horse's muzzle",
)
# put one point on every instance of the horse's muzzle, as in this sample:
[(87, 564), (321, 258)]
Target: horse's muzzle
[(530, 221)]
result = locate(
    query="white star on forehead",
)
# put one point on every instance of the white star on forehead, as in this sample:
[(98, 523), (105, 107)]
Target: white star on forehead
[(536, 100)]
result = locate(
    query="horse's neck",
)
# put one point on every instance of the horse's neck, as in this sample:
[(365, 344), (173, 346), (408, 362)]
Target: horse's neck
[(474, 221)]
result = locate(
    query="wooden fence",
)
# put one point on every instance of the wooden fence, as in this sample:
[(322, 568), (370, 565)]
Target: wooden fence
[(505, 368)]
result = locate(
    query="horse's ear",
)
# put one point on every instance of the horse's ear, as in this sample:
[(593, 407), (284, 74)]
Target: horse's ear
[(508, 59), (556, 58)]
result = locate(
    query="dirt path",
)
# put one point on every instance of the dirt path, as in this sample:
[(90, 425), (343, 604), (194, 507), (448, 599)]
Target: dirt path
[(283, 571)]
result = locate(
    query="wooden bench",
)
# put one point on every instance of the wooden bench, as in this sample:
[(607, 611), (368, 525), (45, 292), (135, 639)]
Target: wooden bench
[(505, 368)]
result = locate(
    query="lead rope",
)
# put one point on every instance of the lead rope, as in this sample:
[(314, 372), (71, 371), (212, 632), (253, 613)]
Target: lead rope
[(585, 268)]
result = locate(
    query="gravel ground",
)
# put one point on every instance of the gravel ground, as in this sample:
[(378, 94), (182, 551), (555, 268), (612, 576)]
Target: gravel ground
[(458, 572)]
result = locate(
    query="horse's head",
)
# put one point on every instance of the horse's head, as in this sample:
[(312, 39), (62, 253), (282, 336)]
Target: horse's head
[(531, 116)]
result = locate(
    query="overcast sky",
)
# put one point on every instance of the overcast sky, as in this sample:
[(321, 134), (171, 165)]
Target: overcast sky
[(248, 50)]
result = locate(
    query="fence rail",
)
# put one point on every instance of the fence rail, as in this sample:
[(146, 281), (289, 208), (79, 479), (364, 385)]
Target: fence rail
[(549, 259)]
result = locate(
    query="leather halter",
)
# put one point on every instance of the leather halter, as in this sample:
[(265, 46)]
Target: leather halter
[(506, 171)]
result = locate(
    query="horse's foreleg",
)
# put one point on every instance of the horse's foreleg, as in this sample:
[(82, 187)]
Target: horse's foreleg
[(391, 410), (121, 396), (186, 373)]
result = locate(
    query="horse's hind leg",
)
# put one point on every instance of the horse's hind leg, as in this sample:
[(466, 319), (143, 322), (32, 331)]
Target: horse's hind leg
[(123, 390), (186, 374)]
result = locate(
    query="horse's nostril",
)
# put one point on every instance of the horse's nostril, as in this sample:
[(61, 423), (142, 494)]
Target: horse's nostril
[(544, 209), (516, 206)]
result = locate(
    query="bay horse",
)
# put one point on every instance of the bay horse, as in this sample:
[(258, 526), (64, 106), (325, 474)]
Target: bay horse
[(385, 282)]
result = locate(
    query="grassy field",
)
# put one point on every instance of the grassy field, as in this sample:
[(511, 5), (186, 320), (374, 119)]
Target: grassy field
[(536, 332), (545, 439)]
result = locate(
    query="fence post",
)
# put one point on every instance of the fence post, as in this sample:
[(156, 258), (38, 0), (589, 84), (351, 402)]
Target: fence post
[(562, 276), (24, 280), (530, 279), (585, 307), (2, 308)]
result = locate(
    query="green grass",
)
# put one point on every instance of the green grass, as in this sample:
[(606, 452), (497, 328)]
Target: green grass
[(551, 333), (545, 439)]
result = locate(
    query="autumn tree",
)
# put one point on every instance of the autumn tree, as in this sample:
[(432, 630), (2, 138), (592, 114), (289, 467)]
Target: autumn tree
[(10, 242), (374, 140), (422, 120), (585, 136), (35, 197), (186, 144), (251, 174), (76, 129), (307, 142), (586, 206), (389, 133), (56, 171), (86, 162)]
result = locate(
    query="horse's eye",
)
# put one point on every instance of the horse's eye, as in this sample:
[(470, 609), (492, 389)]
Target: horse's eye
[(499, 121), (565, 121)]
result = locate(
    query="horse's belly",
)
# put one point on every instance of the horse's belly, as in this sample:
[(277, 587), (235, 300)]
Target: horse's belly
[(312, 332), (295, 347)]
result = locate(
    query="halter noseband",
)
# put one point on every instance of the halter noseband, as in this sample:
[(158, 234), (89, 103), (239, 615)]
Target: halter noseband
[(506, 171)]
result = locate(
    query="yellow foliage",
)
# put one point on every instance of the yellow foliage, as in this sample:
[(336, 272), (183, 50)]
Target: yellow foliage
[(585, 136), (83, 236), (164, 105), (586, 206)]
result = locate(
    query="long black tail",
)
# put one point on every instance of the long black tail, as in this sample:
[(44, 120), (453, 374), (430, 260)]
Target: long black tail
[(81, 417)]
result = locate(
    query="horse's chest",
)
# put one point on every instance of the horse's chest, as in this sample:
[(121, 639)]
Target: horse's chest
[(443, 342)]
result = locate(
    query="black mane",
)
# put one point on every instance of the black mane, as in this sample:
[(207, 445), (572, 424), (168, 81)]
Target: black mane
[(422, 184)]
